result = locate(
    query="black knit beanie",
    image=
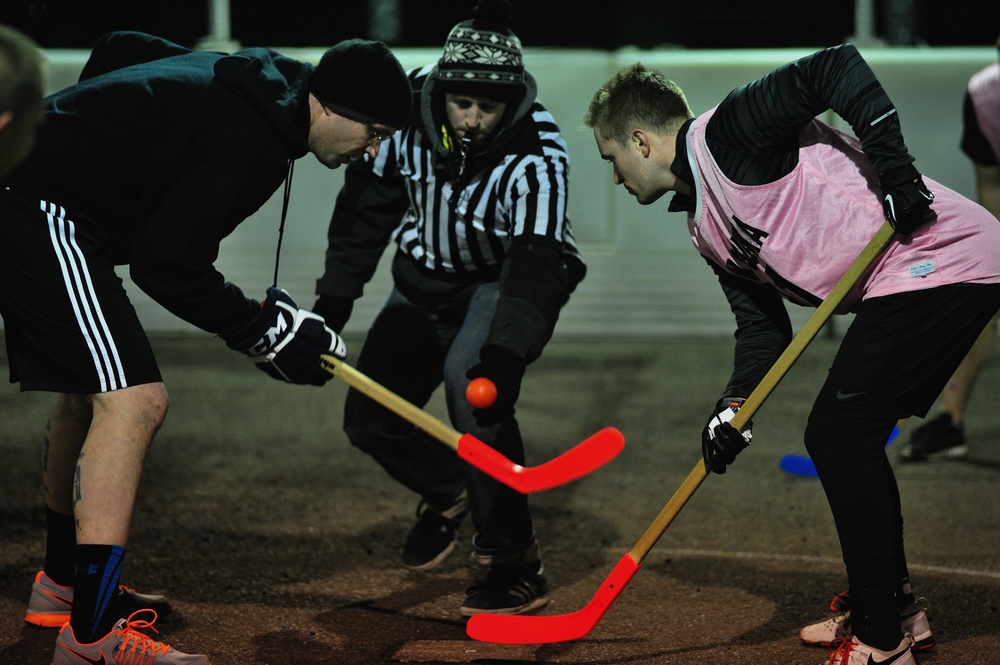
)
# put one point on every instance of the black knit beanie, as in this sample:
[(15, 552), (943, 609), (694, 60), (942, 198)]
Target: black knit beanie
[(363, 80), (482, 56)]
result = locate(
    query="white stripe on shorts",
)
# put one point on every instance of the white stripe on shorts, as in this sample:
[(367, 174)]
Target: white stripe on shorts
[(93, 326)]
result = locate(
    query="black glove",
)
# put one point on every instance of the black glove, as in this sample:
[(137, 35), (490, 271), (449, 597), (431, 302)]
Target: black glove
[(335, 311), (720, 441), (906, 201), (286, 341), (505, 370)]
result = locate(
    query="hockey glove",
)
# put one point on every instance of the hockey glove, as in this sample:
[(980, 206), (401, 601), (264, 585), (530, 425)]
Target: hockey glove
[(505, 370), (286, 341), (335, 311), (906, 201), (720, 441)]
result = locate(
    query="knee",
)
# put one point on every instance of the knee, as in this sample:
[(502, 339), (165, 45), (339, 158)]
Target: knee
[(155, 403), (818, 435), (145, 406), (367, 424)]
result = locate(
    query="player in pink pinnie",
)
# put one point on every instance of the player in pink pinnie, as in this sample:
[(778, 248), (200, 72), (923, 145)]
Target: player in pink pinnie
[(779, 204)]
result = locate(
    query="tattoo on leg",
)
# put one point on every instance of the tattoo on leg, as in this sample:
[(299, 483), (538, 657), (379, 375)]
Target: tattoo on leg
[(46, 446), (77, 486)]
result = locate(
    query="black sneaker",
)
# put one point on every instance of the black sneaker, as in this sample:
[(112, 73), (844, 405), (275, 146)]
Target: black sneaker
[(935, 438), (434, 535), (508, 589)]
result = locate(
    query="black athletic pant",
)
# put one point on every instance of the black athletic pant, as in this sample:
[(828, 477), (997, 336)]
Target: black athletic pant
[(894, 361)]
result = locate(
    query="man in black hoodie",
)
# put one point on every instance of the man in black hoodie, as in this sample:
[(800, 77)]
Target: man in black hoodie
[(474, 193), (154, 157)]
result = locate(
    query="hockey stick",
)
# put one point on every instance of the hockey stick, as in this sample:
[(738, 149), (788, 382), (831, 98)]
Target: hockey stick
[(525, 629), (578, 461)]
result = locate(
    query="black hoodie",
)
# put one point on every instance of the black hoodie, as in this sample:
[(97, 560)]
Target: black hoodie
[(162, 151)]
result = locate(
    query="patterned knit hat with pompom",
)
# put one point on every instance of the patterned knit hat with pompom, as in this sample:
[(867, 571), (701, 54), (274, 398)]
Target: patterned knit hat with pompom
[(482, 56)]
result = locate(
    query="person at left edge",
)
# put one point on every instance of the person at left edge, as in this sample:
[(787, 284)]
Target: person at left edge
[(21, 81), (149, 161)]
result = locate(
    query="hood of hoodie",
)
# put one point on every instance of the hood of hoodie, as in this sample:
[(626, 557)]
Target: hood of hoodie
[(428, 114), (277, 87)]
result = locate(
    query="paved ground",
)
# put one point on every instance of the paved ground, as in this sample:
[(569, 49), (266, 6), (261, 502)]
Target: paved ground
[(278, 542)]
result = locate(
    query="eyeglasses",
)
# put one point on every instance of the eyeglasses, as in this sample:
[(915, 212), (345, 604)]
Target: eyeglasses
[(375, 137)]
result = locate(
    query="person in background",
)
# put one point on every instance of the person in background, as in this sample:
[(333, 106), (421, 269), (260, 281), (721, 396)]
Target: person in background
[(944, 435), (149, 161), (474, 193), (780, 204), (21, 84)]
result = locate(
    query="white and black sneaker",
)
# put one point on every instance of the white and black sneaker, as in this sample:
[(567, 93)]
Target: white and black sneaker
[(853, 652), (435, 534), (913, 622), (508, 589)]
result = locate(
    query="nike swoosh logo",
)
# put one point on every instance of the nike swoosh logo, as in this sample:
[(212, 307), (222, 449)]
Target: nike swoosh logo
[(896, 658), (84, 658), (842, 395), (57, 598)]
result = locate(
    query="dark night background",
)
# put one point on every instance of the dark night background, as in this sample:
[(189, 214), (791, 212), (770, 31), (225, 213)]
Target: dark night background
[(703, 24)]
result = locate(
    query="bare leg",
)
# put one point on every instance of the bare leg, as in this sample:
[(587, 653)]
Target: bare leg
[(96, 446), (65, 434)]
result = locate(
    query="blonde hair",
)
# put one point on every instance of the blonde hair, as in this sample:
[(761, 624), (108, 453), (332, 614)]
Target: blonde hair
[(637, 96)]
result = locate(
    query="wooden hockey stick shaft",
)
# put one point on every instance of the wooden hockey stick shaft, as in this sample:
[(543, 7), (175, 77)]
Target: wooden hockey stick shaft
[(390, 400), (767, 385)]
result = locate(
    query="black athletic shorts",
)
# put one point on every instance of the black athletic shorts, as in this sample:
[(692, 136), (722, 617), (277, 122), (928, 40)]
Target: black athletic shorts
[(68, 322), (900, 350)]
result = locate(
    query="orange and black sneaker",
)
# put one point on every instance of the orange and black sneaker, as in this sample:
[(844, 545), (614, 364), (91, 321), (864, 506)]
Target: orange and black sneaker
[(50, 603), (124, 645)]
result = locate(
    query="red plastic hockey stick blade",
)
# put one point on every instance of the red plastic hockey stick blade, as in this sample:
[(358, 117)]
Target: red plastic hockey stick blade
[(576, 462), (546, 629)]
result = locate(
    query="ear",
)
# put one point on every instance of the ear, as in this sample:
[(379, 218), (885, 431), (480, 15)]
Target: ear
[(6, 118), (641, 139)]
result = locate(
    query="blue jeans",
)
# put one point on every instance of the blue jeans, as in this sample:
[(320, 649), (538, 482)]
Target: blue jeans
[(411, 350)]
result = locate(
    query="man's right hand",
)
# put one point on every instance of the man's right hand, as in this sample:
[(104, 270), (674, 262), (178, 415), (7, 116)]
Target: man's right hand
[(720, 441), (286, 341)]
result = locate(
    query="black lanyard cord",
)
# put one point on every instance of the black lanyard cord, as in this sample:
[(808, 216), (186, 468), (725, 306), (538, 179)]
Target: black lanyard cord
[(284, 213)]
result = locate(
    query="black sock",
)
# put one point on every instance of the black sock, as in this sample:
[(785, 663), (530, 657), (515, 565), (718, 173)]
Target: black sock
[(59, 547), (95, 598)]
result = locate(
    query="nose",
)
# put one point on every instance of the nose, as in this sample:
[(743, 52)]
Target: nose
[(473, 118), (372, 149), (617, 178)]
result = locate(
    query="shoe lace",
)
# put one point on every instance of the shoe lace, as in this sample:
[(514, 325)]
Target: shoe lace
[(137, 648), (840, 651), (841, 602)]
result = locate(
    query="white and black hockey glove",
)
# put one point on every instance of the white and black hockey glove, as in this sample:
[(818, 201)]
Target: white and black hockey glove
[(720, 441), (286, 341)]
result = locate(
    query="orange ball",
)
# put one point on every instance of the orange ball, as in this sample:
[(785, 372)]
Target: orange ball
[(481, 392)]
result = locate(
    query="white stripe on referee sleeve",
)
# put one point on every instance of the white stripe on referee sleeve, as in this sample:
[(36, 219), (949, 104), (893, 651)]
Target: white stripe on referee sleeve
[(89, 315)]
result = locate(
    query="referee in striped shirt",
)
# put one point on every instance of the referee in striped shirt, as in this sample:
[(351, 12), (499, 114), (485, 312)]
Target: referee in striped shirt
[(474, 193)]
